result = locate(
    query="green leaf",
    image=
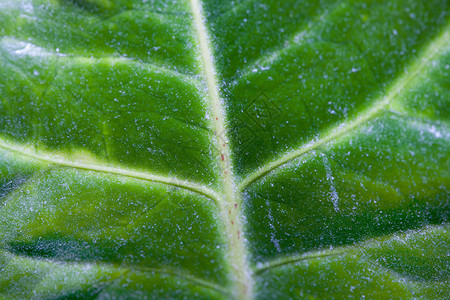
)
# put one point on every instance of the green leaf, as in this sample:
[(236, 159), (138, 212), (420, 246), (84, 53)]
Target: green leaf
[(224, 149)]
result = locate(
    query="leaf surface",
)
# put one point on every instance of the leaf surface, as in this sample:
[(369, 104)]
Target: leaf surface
[(224, 149)]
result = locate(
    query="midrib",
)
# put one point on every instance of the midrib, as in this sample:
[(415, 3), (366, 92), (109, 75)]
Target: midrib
[(230, 203)]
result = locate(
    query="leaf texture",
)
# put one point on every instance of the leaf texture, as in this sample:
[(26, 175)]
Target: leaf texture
[(224, 149)]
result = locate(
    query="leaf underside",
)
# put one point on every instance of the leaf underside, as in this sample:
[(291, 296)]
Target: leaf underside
[(224, 149)]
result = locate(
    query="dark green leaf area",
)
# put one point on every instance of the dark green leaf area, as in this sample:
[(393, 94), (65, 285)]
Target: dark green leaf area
[(369, 270), (14, 172), (287, 111), (246, 32), (117, 109), (318, 64), (68, 215), (26, 278), (351, 190), (150, 34), (428, 96), (427, 262)]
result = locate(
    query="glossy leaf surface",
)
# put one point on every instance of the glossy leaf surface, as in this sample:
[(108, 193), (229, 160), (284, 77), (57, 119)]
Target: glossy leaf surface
[(224, 149)]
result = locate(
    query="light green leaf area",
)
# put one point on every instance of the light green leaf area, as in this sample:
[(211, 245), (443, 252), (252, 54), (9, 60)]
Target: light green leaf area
[(214, 149)]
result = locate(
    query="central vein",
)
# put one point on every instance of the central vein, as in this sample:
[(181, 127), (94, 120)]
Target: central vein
[(230, 204)]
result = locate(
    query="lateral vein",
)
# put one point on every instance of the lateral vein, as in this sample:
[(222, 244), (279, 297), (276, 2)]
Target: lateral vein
[(380, 105), (126, 268), (97, 167)]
